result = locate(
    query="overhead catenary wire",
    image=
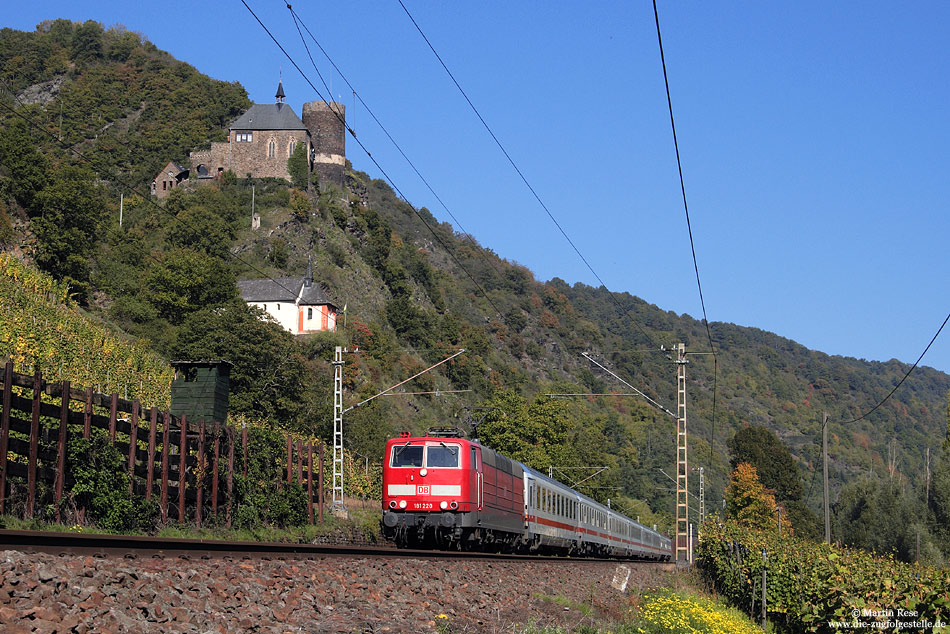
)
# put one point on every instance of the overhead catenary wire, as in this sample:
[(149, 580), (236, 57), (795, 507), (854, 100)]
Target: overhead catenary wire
[(641, 394), (904, 378), (623, 310), (298, 21), (373, 159), (145, 197), (689, 227)]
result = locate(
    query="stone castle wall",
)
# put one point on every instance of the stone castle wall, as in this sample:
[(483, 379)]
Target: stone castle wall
[(326, 122), (266, 154), (257, 158)]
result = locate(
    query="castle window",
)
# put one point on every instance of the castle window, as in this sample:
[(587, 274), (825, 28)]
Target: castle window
[(244, 137), (309, 313), (293, 146), (271, 148)]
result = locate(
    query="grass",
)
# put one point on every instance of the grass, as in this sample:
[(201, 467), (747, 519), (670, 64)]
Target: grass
[(564, 602), (363, 521)]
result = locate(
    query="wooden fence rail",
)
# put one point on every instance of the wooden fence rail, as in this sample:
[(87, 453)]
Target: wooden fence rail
[(191, 473)]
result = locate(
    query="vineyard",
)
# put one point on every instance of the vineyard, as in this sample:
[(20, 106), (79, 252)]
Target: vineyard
[(110, 453), (40, 327), (812, 586)]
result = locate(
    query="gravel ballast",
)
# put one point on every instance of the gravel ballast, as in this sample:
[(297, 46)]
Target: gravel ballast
[(48, 593)]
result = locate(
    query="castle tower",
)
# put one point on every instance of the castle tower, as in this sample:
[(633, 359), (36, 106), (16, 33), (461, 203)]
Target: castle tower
[(327, 125)]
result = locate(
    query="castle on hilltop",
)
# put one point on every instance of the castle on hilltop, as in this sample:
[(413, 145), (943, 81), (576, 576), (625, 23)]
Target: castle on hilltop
[(262, 139)]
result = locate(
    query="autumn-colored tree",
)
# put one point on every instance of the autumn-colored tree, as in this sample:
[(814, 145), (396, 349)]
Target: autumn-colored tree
[(751, 503), (299, 205)]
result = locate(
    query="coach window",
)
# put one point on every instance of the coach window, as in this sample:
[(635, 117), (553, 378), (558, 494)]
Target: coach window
[(407, 456)]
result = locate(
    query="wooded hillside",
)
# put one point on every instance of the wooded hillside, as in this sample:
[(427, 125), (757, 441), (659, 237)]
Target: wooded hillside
[(89, 113)]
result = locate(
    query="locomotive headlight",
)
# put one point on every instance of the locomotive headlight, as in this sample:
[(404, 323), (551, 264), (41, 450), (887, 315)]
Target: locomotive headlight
[(423, 472), (443, 505), (392, 504), (402, 504), (454, 505)]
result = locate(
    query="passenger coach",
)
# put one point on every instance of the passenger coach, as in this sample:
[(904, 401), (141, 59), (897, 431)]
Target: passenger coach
[(444, 491)]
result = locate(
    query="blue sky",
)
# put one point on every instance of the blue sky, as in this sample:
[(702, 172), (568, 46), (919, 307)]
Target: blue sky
[(814, 140)]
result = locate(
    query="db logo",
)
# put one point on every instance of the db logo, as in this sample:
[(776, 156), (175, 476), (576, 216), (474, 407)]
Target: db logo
[(422, 490)]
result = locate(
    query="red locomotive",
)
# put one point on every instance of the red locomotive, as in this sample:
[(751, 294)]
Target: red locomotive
[(444, 491)]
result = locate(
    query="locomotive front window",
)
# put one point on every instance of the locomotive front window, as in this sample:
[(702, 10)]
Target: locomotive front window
[(407, 456), (442, 455)]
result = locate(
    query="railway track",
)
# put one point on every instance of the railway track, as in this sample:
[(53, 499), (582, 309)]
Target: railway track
[(130, 546)]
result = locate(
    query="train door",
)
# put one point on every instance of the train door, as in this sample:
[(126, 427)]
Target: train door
[(477, 481)]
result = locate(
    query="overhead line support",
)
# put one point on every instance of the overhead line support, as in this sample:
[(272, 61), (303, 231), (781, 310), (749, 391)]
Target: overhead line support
[(682, 464)]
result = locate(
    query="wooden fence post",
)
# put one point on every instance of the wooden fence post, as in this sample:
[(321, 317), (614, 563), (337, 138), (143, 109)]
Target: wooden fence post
[(214, 472), (87, 414), (200, 472), (150, 476), (290, 460), (113, 413), (300, 462), (5, 430), (310, 480), (166, 437), (34, 445), (244, 446), (320, 485), (61, 449), (133, 441), (230, 431), (182, 451)]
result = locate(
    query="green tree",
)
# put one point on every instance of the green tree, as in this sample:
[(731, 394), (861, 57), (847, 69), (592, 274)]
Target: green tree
[(774, 463), (879, 516), (536, 432), (182, 281), (23, 170), (408, 320), (203, 230), (87, 42), (297, 166), (268, 374), (71, 215), (939, 502)]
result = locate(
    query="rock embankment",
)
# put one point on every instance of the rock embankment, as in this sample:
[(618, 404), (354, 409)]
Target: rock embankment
[(48, 593)]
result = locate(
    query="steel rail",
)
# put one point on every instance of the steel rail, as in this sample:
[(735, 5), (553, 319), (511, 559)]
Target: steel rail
[(133, 546)]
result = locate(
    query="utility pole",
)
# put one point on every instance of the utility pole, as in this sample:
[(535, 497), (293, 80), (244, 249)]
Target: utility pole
[(338, 508), (927, 494), (682, 464), (824, 460), (121, 206), (765, 610)]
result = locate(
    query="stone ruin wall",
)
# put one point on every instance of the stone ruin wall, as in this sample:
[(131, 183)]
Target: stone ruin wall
[(326, 122)]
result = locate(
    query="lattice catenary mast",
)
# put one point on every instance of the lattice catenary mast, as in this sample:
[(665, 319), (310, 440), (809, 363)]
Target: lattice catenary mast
[(338, 508), (682, 465)]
